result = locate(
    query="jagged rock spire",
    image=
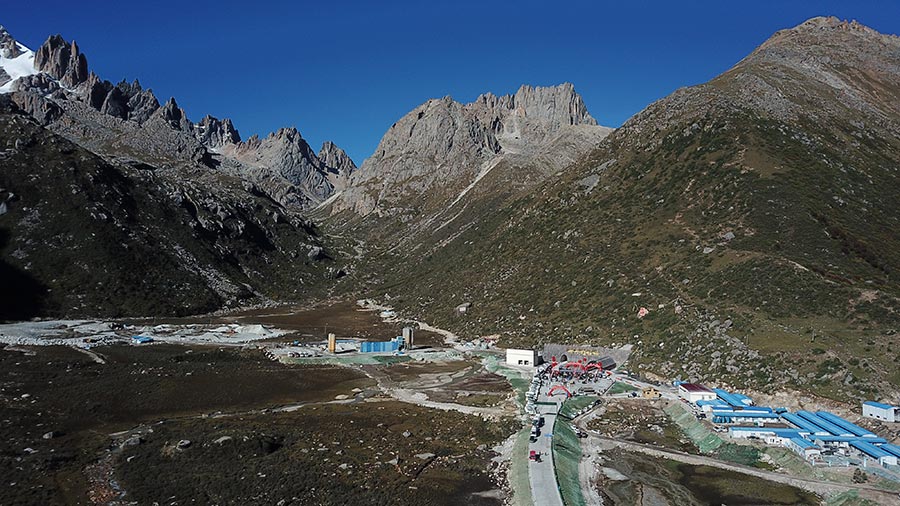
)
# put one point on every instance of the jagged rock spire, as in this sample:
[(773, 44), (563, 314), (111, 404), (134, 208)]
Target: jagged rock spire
[(62, 60)]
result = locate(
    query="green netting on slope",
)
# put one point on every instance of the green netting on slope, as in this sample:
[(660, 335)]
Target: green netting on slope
[(519, 480), (706, 440), (566, 457)]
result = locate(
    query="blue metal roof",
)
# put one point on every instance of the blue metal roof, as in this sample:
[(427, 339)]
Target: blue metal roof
[(780, 432), (802, 443), (729, 397), (825, 424), (892, 449), (757, 408), (870, 449), (879, 405), (848, 439), (840, 422), (803, 424), (711, 402), (746, 400), (743, 414)]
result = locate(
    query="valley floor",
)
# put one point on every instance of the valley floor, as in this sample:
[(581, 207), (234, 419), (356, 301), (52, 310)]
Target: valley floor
[(249, 407)]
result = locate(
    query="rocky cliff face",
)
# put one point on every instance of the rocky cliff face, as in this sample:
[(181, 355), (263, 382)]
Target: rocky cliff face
[(441, 146), (215, 133)]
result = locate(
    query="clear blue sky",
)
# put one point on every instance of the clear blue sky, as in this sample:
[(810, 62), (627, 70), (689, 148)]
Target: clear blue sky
[(345, 71)]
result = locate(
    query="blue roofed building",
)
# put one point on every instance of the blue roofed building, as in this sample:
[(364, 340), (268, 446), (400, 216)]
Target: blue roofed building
[(883, 457), (736, 400), (856, 430), (891, 448), (825, 424), (736, 416), (880, 411), (845, 441), (804, 424), (804, 448), (710, 404)]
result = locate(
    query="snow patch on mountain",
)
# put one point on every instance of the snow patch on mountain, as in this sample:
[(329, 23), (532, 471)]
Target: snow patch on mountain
[(19, 66)]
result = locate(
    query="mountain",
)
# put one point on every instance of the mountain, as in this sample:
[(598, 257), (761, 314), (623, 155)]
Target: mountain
[(112, 204), (741, 231), (126, 121), (439, 148)]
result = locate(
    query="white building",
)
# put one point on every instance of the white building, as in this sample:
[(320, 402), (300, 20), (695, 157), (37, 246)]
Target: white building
[(693, 392), (879, 411), (521, 357)]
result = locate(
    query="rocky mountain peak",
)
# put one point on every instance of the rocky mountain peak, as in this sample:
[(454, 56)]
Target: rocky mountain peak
[(441, 145), (337, 164), (215, 133), (9, 48), (827, 34), (62, 60), (174, 115), (287, 134), (336, 158), (827, 23)]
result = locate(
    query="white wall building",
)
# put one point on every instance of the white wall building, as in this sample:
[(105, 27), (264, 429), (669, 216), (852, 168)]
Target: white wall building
[(693, 392), (521, 357), (879, 411)]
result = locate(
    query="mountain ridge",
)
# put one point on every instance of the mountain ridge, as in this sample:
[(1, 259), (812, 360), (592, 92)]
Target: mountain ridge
[(62, 84)]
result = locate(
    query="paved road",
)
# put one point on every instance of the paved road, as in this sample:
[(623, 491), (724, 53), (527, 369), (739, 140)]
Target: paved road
[(544, 489)]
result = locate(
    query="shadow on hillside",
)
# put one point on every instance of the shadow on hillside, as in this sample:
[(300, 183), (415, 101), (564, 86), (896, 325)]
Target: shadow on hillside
[(21, 295)]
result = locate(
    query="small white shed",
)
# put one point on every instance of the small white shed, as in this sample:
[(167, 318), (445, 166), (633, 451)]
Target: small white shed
[(879, 411), (521, 357)]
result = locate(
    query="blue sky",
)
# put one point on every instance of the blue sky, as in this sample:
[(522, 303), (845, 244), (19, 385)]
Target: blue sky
[(345, 71)]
